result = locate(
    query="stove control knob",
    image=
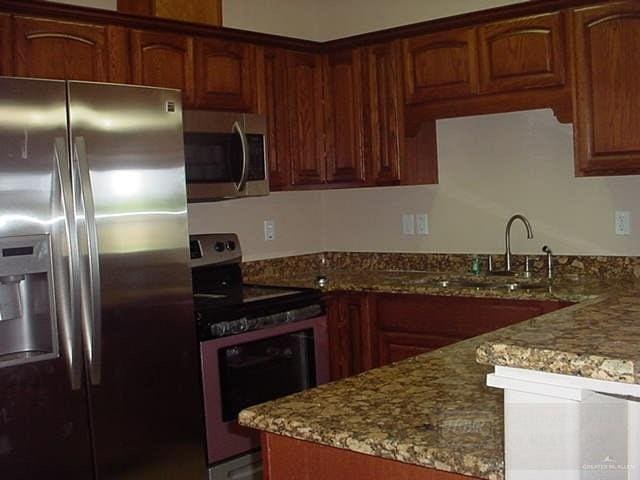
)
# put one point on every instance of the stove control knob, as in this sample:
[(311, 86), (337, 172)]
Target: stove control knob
[(219, 247), (231, 245), (218, 330)]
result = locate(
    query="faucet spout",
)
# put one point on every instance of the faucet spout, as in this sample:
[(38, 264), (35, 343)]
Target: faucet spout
[(507, 238)]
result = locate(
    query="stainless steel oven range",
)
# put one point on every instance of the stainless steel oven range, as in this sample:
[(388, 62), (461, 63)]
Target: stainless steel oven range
[(257, 343)]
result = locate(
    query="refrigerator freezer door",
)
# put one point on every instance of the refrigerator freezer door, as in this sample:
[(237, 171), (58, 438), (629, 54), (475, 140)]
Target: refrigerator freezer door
[(44, 423), (129, 181)]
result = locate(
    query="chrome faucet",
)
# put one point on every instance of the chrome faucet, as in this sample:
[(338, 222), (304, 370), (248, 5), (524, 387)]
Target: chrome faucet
[(507, 238)]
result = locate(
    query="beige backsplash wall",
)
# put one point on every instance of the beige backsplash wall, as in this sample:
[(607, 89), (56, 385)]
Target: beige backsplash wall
[(490, 168), (297, 216)]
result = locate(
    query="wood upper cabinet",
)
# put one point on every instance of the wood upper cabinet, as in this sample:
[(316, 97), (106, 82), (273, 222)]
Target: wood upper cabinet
[(384, 120), (61, 50), (522, 53), (6, 45), (344, 117), (441, 65), (349, 334), (273, 103), (304, 79), (607, 88), (163, 60), (225, 75)]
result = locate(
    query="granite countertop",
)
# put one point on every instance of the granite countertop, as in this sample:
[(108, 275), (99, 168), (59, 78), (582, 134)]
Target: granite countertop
[(597, 339), (435, 410), (569, 288)]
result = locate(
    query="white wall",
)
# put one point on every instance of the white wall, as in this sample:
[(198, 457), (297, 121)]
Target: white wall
[(341, 18), (291, 18)]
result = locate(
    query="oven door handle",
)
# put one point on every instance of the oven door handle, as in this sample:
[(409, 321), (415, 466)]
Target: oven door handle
[(245, 156)]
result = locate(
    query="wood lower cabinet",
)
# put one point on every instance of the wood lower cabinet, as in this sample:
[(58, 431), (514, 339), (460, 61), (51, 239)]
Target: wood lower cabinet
[(225, 75), (607, 88), (163, 60), (441, 65), (6, 45), (292, 459), (344, 120), (349, 334), (304, 80), (407, 325), (522, 53), (64, 50), (273, 103), (384, 122)]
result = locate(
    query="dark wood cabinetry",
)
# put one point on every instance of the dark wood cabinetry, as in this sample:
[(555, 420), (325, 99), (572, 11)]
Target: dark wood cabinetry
[(441, 65), (407, 325), (361, 111), (384, 109), (60, 50), (344, 117), (522, 53), (163, 60), (292, 459), (349, 334), (273, 103), (304, 80), (6, 46), (225, 75), (368, 330), (607, 89)]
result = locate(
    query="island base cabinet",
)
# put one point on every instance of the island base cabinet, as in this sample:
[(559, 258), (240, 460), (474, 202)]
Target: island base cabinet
[(565, 427), (286, 458)]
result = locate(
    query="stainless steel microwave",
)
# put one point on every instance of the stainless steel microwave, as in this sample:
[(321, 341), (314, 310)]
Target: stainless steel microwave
[(225, 155)]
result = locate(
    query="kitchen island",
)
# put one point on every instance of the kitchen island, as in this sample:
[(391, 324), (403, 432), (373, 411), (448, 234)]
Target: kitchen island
[(435, 410)]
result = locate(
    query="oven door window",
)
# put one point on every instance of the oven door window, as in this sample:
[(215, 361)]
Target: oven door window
[(213, 157), (264, 370)]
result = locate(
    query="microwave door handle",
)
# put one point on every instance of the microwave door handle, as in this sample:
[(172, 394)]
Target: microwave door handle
[(65, 267), (245, 157), (90, 271)]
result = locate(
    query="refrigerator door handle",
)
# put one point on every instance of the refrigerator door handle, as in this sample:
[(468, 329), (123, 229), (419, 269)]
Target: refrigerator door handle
[(90, 267), (65, 273), (245, 157)]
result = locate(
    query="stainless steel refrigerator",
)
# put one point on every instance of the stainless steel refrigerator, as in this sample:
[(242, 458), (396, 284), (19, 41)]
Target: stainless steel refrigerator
[(99, 373)]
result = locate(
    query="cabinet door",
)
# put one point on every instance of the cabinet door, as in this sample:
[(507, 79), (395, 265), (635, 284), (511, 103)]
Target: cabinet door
[(163, 60), (306, 119), (441, 65), (384, 114), (522, 53), (393, 346), (60, 50), (6, 46), (274, 104), (349, 335), (607, 88), (344, 117), (225, 75)]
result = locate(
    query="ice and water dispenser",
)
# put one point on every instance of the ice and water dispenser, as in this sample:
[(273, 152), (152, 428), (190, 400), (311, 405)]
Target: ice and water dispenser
[(28, 330)]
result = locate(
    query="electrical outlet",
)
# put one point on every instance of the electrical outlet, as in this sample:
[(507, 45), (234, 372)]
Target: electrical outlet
[(623, 222), (408, 224), (422, 224), (269, 230)]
